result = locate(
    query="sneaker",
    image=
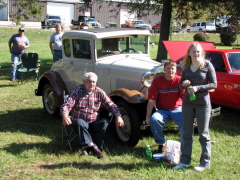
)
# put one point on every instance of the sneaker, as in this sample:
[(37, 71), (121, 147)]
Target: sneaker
[(96, 151), (200, 168), (180, 165)]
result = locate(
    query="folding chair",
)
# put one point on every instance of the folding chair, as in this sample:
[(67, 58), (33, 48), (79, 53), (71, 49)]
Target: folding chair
[(67, 132), (30, 64), (70, 136)]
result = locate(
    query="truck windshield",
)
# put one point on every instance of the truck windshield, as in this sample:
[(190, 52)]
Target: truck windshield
[(90, 20), (54, 17), (123, 45)]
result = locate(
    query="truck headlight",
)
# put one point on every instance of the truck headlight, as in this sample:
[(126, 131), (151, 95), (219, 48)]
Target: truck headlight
[(147, 79)]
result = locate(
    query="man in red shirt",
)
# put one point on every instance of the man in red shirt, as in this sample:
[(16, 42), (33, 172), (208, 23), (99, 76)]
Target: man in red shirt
[(84, 104), (166, 97)]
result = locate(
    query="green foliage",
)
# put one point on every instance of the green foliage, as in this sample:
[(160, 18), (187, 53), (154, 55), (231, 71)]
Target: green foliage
[(228, 38), (25, 9), (3, 4), (201, 36)]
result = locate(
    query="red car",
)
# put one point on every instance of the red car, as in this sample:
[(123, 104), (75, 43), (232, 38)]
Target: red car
[(227, 66), (157, 27)]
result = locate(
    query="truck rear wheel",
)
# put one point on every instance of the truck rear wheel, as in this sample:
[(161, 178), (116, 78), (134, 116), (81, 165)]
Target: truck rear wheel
[(130, 133)]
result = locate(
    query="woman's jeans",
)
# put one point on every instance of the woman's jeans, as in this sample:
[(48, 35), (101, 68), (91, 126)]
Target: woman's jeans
[(203, 116), (160, 118)]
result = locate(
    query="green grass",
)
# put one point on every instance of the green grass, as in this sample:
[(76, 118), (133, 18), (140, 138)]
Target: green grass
[(31, 142)]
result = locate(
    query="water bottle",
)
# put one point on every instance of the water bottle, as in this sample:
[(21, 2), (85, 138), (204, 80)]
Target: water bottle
[(148, 152), (192, 96)]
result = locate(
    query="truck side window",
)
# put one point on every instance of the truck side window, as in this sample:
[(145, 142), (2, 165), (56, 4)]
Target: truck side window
[(81, 48), (217, 61), (234, 59), (66, 46)]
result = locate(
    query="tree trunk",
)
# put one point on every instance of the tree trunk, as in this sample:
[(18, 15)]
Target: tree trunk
[(165, 29)]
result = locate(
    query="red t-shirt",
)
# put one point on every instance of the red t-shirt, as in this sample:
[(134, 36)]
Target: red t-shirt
[(166, 92)]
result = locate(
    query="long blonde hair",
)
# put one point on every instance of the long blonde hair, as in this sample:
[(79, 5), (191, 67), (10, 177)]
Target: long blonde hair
[(187, 59)]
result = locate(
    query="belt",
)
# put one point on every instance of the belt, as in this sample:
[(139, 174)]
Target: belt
[(58, 50)]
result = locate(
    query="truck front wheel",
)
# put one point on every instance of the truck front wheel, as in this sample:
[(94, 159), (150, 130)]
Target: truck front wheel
[(48, 100), (130, 133)]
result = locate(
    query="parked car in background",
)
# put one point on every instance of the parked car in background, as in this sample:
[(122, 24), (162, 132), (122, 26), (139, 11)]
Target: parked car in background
[(95, 24), (120, 57), (140, 24), (50, 21), (111, 25), (227, 66), (202, 27), (92, 23), (156, 27)]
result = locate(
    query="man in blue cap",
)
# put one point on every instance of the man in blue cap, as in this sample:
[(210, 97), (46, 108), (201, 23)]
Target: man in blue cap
[(17, 45)]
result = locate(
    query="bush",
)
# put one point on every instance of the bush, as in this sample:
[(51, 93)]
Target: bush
[(202, 37), (227, 38)]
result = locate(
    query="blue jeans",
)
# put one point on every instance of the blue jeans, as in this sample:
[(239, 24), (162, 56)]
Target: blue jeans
[(57, 56), (92, 132), (16, 58), (161, 117)]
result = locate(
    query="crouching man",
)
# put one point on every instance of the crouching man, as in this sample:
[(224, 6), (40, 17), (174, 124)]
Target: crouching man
[(84, 104), (167, 97)]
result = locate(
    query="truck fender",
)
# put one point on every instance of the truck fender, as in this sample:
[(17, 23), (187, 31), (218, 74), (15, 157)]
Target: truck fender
[(57, 83), (131, 96)]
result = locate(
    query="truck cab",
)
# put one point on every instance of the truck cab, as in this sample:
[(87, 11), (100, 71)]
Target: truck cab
[(50, 21)]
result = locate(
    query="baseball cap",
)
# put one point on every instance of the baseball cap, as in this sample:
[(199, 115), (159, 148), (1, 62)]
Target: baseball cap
[(21, 29)]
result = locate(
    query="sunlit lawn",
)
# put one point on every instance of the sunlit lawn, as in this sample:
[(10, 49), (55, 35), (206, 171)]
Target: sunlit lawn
[(31, 142)]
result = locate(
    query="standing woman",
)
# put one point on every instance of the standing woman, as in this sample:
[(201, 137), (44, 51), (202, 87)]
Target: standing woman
[(200, 74)]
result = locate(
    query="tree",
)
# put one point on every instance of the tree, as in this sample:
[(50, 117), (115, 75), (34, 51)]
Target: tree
[(186, 10), (3, 4), (27, 8), (183, 9)]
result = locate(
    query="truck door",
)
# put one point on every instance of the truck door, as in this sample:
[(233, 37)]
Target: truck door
[(222, 93), (82, 59)]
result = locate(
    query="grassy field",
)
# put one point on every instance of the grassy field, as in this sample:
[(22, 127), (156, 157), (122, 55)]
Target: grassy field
[(31, 142)]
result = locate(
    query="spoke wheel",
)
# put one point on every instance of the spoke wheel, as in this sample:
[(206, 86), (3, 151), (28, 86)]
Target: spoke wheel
[(130, 133), (48, 99)]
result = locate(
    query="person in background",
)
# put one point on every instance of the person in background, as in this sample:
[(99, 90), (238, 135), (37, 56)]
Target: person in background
[(84, 104), (17, 45), (200, 74), (166, 95), (55, 43)]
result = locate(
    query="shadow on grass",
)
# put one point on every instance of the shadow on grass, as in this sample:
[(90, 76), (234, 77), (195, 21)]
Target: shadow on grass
[(228, 122), (5, 71), (99, 166), (36, 122), (31, 122)]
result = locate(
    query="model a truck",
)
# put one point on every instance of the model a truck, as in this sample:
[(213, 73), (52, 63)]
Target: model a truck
[(121, 59), (50, 21)]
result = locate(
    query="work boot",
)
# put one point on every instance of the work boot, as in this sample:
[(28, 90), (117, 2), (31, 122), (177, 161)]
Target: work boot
[(96, 151)]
